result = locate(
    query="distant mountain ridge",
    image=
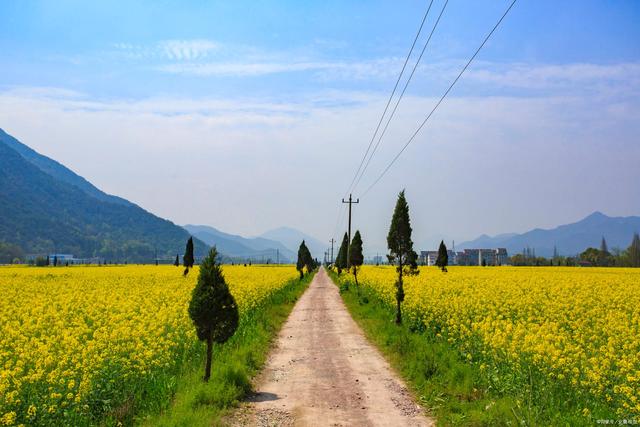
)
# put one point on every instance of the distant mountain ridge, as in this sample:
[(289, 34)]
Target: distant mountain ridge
[(234, 246), (58, 171), (291, 238), (569, 239), (46, 208)]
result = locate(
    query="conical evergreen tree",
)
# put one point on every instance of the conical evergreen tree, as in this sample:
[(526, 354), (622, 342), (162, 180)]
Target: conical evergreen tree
[(356, 259), (401, 252), (177, 261), (604, 257), (212, 309), (443, 257), (309, 262), (303, 258), (188, 259), (341, 261), (634, 251)]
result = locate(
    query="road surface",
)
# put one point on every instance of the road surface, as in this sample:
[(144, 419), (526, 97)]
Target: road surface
[(323, 372)]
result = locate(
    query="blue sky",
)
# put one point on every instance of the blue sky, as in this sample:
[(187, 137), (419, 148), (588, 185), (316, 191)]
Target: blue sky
[(267, 107)]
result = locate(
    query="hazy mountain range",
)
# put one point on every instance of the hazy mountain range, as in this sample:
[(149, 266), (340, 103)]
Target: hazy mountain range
[(277, 244), (46, 208), (569, 239), (238, 247), (291, 238)]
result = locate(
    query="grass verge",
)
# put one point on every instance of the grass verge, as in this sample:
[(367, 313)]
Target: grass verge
[(196, 403), (455, 392)]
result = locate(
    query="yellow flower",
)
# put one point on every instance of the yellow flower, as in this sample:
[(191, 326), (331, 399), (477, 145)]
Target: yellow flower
[(567, 323), (63, 329), (8, 419)]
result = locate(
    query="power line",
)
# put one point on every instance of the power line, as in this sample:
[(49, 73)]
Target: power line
[(375, 148), (441, 99), (390, 96)]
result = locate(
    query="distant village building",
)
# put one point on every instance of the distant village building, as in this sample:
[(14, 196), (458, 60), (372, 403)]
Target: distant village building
[(497, 256)]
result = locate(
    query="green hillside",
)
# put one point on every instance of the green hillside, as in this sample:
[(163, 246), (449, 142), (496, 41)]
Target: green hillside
[(49, 209)]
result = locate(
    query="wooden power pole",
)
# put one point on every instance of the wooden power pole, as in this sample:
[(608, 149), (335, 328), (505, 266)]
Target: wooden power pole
[(351, 202)]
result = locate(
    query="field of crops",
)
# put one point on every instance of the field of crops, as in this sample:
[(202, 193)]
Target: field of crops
[(77, 343), (576, 330)]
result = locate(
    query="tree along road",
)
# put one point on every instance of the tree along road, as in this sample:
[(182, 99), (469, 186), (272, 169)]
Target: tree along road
[(323, 372)]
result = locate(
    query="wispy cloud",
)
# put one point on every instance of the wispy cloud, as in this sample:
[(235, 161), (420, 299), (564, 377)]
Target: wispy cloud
[(188, 50), (169, 50), (242, 151), (546, 76), (326, 69), (210, 58)]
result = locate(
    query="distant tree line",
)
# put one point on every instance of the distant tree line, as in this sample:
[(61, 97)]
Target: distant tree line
[(595, 257)]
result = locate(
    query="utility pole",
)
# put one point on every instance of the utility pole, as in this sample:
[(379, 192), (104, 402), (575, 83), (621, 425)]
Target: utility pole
[(278, 256), (332, 242), (350, 201)]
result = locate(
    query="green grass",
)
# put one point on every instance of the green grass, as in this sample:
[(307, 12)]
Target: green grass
[(454, 391), (196, 403)]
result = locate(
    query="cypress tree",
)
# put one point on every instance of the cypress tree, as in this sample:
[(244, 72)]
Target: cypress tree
[(188, 259), (336, 262), (303, 258), (177, 261), (341, 261), (401, 251), (604, 255), (356, 259), (634, 251), (310, 261), (443, 257), (212, 308)]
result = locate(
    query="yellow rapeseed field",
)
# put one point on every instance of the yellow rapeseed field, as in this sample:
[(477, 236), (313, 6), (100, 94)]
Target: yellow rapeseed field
[(579, 327), (73, 339)]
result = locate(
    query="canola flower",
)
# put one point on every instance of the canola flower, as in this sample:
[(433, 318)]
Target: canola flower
[(77, 341), (579, 327)]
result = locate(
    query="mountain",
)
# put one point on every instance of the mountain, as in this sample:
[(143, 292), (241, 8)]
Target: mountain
[(57, 171), (485, 241), (234, 246), (291, 238), (45, 207), (570, 239)]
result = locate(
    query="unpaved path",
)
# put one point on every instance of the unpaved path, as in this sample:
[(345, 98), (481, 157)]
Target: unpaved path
[(323, 372)]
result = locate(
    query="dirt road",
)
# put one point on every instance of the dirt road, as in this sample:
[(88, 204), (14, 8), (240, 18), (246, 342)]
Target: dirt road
[(322, 372)]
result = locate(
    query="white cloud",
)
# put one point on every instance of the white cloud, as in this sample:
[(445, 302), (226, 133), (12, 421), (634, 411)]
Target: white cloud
[(169, 50), (554, 76), (513, 161), (187, 50), (325, 69)]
